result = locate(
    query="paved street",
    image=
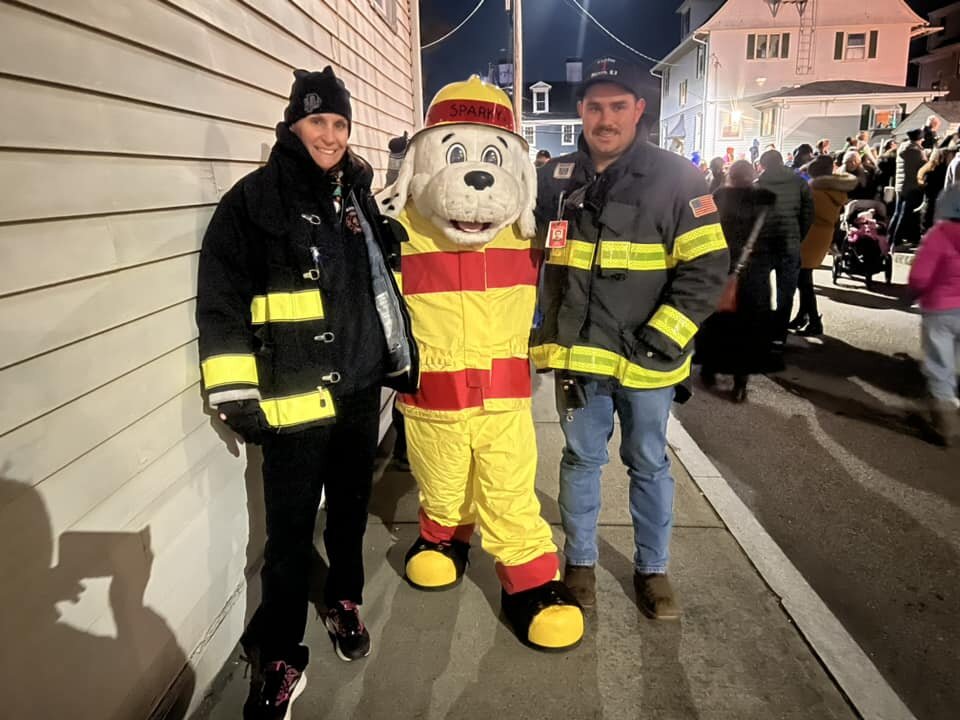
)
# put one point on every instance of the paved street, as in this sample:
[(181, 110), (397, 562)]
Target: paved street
[(832, 458)]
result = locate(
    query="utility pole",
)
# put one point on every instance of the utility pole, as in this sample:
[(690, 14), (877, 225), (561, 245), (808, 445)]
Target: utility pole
[(517, 62)]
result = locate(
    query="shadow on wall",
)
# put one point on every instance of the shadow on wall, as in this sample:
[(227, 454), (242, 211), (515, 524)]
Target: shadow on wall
[(50, 667)]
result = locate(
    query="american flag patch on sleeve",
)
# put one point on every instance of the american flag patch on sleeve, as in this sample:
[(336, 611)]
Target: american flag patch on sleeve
[(703, 205)]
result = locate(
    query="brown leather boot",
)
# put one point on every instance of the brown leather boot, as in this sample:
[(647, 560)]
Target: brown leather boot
[(655, 596), (581, 580), (945, 421)]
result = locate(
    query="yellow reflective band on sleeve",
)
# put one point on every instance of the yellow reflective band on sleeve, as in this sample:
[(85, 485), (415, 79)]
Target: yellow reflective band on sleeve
[(575, 254), (698, 242), (222, 370), (308, 407), (398, 278), (674, 324), (286, 307), (596, 361)]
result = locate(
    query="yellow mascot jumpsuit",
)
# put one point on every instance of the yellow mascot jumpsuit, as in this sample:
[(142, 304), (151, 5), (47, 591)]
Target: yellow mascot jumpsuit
[(470, 432)]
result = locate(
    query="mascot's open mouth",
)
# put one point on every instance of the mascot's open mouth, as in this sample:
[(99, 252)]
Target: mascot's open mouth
[(469, 227)]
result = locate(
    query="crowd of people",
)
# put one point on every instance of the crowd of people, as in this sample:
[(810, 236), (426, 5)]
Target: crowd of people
[(782, 217)]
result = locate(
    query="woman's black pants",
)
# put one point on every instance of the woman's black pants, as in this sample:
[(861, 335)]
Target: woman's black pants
[(339, 459)]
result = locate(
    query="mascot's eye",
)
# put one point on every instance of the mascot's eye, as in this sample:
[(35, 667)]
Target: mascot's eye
[(492, 155), (456, 153)]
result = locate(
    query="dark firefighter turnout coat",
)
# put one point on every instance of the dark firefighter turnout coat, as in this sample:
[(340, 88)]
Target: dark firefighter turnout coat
[(296, 305), (644, 263)]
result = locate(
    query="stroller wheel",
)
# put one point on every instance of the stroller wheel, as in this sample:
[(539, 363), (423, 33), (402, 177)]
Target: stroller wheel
[(888, 269)]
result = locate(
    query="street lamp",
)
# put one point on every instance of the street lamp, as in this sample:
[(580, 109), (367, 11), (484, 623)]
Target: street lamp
[(775, 5)]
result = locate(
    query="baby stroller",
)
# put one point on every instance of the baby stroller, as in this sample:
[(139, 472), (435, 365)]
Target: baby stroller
[(863, 248)]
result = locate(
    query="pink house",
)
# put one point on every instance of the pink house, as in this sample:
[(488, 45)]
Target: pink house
[(786, 72)]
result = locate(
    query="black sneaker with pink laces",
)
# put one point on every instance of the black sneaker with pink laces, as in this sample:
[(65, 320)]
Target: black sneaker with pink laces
[(274, 687), (350, 638)]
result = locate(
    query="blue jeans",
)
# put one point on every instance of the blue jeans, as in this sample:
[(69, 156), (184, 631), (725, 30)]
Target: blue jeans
[(941, 351), (643, 422)]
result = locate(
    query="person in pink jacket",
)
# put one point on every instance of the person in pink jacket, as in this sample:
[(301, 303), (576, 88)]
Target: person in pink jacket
[(935, 281)]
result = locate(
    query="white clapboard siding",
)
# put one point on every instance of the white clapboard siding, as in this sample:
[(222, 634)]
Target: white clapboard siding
[(124, 124), (42, 185), (77, 491), (44, 383), (168, 30), (41, 48), (232, 18), (37, 322), (54, 118), (36, 450), (44, 253)]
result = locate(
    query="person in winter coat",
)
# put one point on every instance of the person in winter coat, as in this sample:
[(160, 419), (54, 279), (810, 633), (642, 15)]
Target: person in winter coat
[(865, 189), (716, 174), (789, 223), (932, 177), (300, 325), (935, 281), (887, 167), (638, 264), (739, 343), (830, 194), (905, 228)]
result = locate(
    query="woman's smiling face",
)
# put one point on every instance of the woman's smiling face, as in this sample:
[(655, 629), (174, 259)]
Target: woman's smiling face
[(325, 136)]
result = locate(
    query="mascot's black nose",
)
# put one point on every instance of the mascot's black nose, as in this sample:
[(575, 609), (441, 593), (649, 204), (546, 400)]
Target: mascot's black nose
[(478, 179)]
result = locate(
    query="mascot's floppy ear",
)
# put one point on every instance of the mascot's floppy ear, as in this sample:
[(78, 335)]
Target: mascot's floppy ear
[(393, 198), (527, 222)]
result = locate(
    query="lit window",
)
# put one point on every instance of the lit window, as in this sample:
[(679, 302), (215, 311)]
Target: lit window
[(768, 119), (568, 135), (768, 47)]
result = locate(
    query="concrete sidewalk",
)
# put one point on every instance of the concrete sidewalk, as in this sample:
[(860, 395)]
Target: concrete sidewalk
[(735, 654)]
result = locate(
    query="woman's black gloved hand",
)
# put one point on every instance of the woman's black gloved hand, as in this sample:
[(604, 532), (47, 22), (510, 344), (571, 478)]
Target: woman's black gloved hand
[(246, 419)]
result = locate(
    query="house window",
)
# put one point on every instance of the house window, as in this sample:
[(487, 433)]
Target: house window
[(684, 23), (731, 125), (768, 47), (698, 132), (387, 10), (683, 93), (881, 117), (568, 135), (701, 60), (856, 46), (768, 122), (541, 102), (666, 82), (530, 135)]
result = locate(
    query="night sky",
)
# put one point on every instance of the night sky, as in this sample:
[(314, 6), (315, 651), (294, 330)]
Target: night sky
[(553, 30)]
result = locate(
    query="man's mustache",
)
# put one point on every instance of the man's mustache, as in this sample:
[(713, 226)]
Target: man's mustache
[(607, 130)]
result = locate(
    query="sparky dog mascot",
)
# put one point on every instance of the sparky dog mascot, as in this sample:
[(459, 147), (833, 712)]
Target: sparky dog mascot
[(465, 195)]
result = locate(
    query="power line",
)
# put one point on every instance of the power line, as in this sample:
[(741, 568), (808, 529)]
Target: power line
[(464, 22), (628, 47)]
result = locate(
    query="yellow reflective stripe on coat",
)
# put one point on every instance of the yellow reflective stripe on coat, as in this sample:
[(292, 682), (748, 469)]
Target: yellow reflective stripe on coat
[(220, 370), (698, 242), (674, 324), (286, 307), (614, 255), (575, 253), (308, 407), (597, 361)]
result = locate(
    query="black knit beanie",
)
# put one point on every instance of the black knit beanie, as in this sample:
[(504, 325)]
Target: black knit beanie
[(317, 92)]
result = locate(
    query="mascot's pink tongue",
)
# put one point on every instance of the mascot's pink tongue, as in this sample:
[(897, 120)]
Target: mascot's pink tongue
[(469, 226)]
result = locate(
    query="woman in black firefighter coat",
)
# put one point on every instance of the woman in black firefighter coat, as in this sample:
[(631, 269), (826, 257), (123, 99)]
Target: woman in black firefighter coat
[(300, 325)]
